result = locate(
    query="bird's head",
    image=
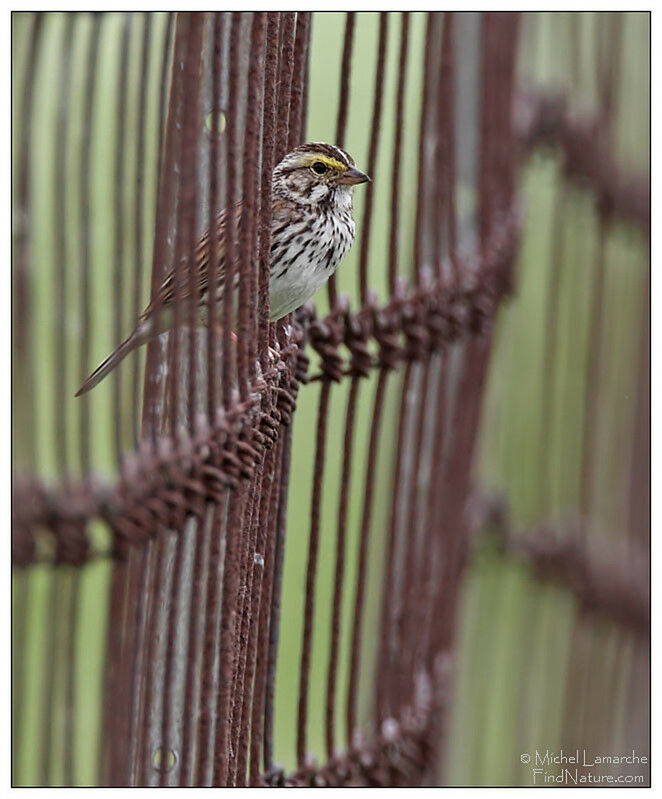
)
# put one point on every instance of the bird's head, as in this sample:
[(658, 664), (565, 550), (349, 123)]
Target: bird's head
[(316, 173)]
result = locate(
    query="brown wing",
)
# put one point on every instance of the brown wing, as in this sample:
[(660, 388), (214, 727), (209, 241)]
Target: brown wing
[(200, 262)]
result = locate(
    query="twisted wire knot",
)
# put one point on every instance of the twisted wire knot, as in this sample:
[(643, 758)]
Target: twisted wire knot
[(356, 341), (270, 420), (285, 403), (481, 305), (72, 545), (22, 544), (325, 336), (417, 339), (386, 332)]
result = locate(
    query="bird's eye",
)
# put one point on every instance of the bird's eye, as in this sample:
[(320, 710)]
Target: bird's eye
[(319, 168)]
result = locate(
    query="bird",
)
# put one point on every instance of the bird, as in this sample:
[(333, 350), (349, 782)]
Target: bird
[(312, 230)]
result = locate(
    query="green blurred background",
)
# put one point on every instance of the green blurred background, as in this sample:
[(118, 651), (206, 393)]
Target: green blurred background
[(516, 634)]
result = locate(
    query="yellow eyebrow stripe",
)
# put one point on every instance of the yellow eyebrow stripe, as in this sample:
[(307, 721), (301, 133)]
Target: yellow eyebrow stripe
[(333, 163)]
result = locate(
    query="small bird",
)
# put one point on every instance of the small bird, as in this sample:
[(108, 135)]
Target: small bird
[(312, 230)]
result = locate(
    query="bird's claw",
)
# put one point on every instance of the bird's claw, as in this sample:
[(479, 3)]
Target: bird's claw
[(274, 355)]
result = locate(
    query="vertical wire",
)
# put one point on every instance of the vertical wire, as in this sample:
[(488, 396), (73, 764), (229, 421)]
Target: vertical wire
[(574, 48), (53, 623), (434, 509), (20, 607), (339, 574), (297, 56), (366, 519), (166, 217), (250, 207), (24, 368), (213, 599), (283, 90), (210, 553), (69, 648), (60, 250), (396, 187), (137, 579), (179, 168), (549, 363), (386, 686), (343, 108), (233, 708), (214, 232), (185, 242), (445, 207), (389, 566), (145, 565), (139, 250), (372, 154), (462, 421), (446, 127), (283, 131), (345, 79), (266, 604), (282, 137), (269, 123), (469, 381), (639, 478), (302, 115), (311, 571), (163, 97), (496, 171), (296, 98), (593, 358), (192, 125), (173, 603), (110, 755), (286, 70), (231, 228), (298, 94), (446, 116), (154, 595), (436, 136), (118, 189), (252, 695), (408, 631), (54, 616), (607, 74), (84, 196), (506, 155), (112, 660), (283, 134), (164, 198), (422, 175), (24, 365), (72, 575), (248, 285), (274, 619), (201, 577), (486, 132), (223, 757), (242, 682), (142, 562)]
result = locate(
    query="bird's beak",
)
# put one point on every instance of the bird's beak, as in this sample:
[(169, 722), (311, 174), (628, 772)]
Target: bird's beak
[(352, 176)]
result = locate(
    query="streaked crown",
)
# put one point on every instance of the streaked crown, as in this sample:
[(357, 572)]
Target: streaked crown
[(315, 172)]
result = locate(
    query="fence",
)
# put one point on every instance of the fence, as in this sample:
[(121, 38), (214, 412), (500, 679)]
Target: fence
[(153, 518)]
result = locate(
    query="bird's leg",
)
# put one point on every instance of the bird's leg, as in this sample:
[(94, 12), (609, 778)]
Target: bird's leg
[(274, 354)]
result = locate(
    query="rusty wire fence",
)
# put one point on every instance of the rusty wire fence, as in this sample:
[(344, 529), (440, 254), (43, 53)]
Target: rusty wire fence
[(311, 556)]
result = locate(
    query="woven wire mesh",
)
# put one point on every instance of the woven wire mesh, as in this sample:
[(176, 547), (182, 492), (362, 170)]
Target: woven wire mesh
[(158, 521)]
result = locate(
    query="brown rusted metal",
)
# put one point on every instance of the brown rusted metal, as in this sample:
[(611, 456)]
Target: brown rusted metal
[(198, 512)]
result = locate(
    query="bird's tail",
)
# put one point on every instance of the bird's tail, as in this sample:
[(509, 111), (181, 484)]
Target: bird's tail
[(140, 335)]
